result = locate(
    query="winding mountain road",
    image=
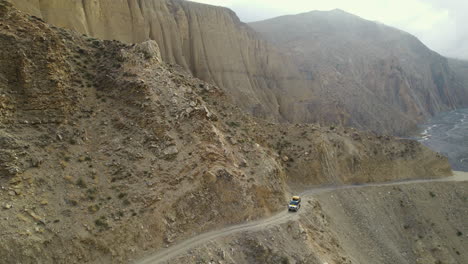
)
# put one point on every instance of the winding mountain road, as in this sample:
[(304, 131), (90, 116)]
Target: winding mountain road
[(169, 253)]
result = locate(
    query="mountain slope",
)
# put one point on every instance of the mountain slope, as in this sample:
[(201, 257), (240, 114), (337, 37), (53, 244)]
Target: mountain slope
[(106, 151), (379, 74), (460, 68), (328, 67), (208, 41), (361, 224)]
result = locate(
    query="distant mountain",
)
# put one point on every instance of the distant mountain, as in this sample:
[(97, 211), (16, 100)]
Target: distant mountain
[(380, 75)]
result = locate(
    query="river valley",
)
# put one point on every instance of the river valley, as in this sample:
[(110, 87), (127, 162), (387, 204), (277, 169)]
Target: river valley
[(447, 133)]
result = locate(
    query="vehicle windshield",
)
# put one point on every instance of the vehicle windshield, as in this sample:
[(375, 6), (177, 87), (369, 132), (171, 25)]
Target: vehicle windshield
[(294, 202)]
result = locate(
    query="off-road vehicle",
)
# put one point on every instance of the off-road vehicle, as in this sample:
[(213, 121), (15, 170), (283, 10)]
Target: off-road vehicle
[(294, 204)]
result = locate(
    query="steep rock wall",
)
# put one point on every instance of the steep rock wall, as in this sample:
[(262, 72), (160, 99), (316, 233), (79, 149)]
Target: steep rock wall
[(209, 41), (460, 68)]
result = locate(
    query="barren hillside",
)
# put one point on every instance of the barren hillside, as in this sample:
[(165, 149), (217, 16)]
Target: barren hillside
[(460, 68), (405, 224), (329, 68), (380, 75), (106, 151)]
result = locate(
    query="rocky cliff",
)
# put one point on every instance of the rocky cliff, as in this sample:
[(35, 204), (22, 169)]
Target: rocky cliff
[(460, 68), (380, 75), (327, 67), (209, 41), (106, 151)]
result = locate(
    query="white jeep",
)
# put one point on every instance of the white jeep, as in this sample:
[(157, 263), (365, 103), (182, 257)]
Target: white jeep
[(294, 204)]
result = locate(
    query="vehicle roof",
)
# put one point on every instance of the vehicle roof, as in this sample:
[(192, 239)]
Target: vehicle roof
[(296, 197)]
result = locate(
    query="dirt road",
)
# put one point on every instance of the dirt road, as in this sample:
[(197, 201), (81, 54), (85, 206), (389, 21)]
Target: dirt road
[(282, 217)]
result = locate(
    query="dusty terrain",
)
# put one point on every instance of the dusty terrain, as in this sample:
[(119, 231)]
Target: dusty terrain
[(328, 67), (400, 222), (107, 152)]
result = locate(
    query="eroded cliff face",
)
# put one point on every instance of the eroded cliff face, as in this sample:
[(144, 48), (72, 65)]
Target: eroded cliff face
[(209, 41), (355, 73)]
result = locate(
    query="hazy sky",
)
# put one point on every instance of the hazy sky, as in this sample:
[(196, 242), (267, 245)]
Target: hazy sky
[(441, 24)]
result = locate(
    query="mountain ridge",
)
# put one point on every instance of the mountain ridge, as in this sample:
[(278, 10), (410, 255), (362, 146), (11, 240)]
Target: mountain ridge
[(368, 58)]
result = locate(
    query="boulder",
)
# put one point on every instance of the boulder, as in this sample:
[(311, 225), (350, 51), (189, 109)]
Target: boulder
[(150, 50)]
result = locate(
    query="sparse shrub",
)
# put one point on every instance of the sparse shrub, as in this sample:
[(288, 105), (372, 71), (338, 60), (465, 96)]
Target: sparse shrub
[(432, 194), (122, 195), (101, 223), (91, 193), (81, 183), (72, 202), (282, 144), (233, 124), (93, 208), (459, 233)]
